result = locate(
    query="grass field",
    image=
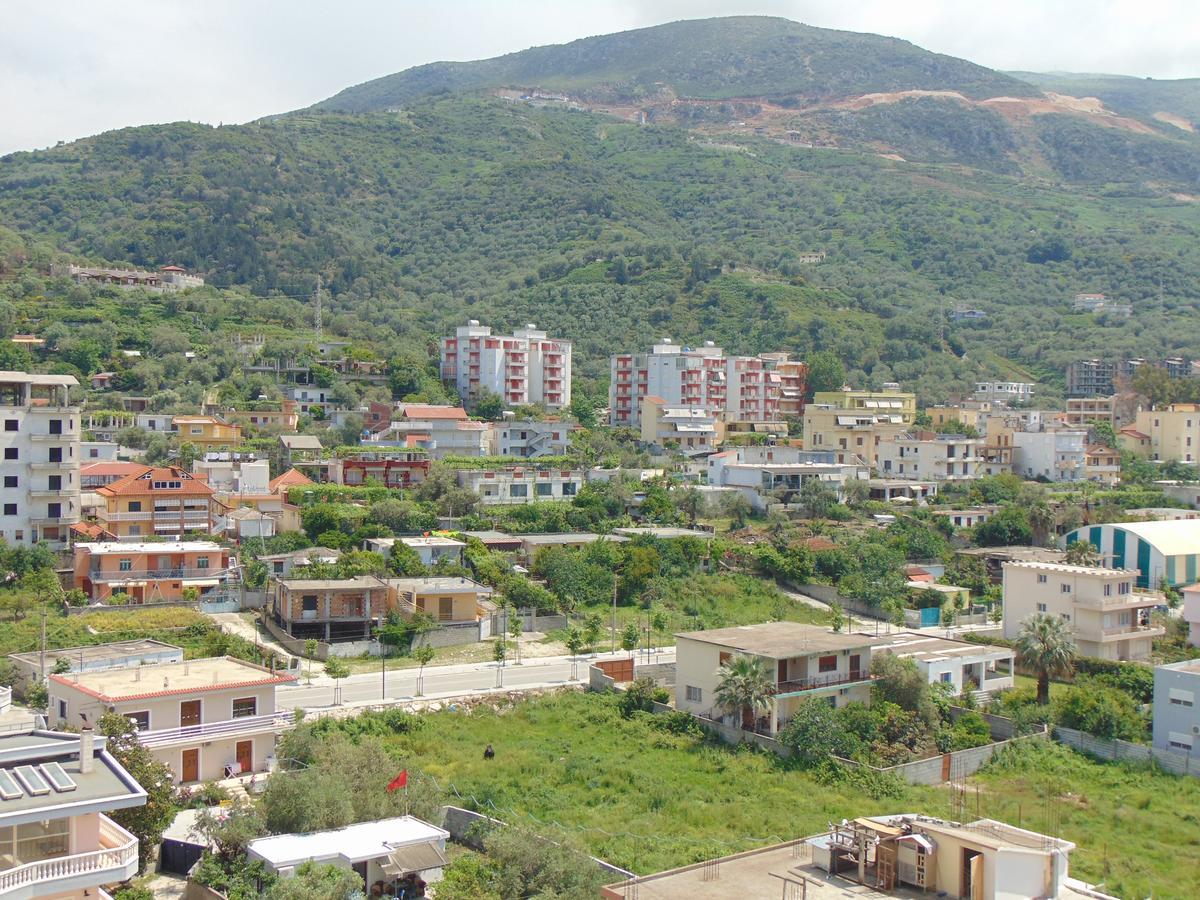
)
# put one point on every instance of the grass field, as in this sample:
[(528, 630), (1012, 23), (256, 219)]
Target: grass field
[(179, 625), (570, 766)]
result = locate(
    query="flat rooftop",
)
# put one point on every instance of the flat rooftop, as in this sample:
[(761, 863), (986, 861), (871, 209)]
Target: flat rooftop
[(665, 532), (495, 537), (1190, 666), (432, 540), (781, 640), (1064, 569), (97, 653), (569, 537), (927, 648), (439, 583), (1015, 554), (357, 583), (107, 786), (111, 548), (354, 843), (166, 679)]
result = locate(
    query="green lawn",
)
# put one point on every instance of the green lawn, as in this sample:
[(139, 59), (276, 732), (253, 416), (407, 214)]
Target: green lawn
[(571, 767), (709, 601), (177, 625)]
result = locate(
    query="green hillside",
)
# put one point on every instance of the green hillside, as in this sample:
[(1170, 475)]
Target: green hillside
[(609, 233), (741, 56)]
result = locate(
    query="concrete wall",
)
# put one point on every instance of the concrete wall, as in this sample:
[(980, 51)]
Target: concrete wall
[(450, 635), (598, 681), (1176, 763)]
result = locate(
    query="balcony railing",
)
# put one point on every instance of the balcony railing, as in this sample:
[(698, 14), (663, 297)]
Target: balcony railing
[(117, 860), (126, 574), (832, 679), (209, 731), (1118, 631)]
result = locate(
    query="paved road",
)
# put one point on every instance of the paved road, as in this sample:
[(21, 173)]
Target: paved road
[(448, 681)]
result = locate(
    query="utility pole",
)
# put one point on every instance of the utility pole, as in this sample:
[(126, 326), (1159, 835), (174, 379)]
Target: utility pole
[(614, 617), (317, 318), (42, 653)]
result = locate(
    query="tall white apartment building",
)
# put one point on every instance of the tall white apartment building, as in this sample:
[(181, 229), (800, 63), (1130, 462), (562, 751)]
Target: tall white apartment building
[(39, 437), (734, 388), (522, 368)]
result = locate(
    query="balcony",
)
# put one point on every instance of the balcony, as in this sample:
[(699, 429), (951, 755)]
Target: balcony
[(821, 682), (116, 860), (126, 574), (1123, 632), (1139, 599), (213, 731)]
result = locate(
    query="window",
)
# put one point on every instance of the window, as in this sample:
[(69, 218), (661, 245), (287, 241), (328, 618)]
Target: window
[(1041, 579), (1041, 607), (56, 426), (53, 510), (309, 603), (35, 841), (10, 481), (1108, 590), (62, 709), (1179, 701), (545, 489), (125, 565), (55, 482), (693, 694), (1064, 588), (10, 425), (11, 453), (827, 663), (93, 452), (10, 509), (140, 719), (518, 490), (1123, 587), (135, 505), (55, 454), (245, 707), (947, 677), (569, 488), (1066, 617), (202, 562)]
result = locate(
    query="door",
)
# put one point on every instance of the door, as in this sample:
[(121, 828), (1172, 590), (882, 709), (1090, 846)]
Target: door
[(190, 765), (855, 667), (972, 874), (189, 713), (244, 751)]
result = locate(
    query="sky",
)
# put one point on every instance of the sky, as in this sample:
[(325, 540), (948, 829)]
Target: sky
[(70, 68)]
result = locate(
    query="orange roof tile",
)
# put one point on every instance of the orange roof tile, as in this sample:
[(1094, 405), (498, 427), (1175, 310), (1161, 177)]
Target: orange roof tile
[(142, 483), (425, 411), (290, 478), (111, 467)]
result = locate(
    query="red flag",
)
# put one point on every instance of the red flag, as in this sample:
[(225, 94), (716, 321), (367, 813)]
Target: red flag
[(400, 781)]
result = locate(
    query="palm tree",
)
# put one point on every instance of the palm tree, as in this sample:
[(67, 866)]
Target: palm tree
[(1082, 553), (1046, 646), (746, 685), (1041, 521)]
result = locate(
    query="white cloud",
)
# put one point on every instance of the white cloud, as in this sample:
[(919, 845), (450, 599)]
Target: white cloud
[(77, 67)]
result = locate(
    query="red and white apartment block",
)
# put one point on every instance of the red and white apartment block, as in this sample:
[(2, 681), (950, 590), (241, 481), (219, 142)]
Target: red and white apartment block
[(523, 368)]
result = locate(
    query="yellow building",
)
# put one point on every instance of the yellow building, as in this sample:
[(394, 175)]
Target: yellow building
[(207, 432), (1086, 410), (1174, 432), (890, 401), (974, 415), (854, 436), (446, 599)]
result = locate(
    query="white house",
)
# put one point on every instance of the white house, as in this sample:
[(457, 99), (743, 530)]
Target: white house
[(528, 439), (1055, 454), (1177, 707), (521, 484), (762, 473), (960, 664), (926, 456)]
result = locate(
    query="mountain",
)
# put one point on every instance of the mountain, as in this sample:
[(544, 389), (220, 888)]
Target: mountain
[(705, 59), (607, 230), (1173, 102)]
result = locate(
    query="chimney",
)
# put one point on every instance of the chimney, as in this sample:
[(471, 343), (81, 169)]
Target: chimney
[(86, 749)]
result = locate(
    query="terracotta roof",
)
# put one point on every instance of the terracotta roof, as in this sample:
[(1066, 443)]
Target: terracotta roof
[(112, 467), (290, 478), (1133, 432), (196, 676), (425, 411), (90, 530), (141, 483), (818, 543)]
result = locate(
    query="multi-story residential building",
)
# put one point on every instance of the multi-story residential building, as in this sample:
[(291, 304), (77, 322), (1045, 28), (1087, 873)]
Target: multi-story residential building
[(529, 439), (98, 451), (1157, 550), (1086, 411), (1102, 464), (203, 718), (431, 549), (1004, 393), (439, 430), (40, 493), (146, 573), (1134, 441), (963, 665), (164, 501), (806, 662), (445, 599), (393, 467), (310, 397), (972, 413), (793, 383), (1174, 432), (1093, 377), (96, 475), (690, 429), (55, 840), (741, 390), (1098, 303), (1191, 613), (522, 368), (281, 565), (926, 456), (1058, 454), (1176, 725), (1108, 616), (234, 473), (331, 610), (267, 415), (853, 436), (207, 432), (505, 485), (777, 474), (891, 402)]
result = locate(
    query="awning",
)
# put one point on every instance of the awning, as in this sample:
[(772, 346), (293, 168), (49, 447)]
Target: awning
[(129, 584), (201, 582), (413, 858)]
